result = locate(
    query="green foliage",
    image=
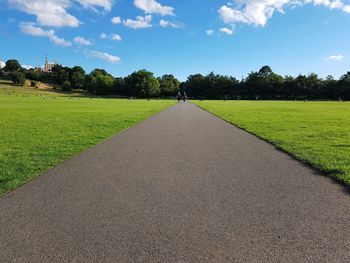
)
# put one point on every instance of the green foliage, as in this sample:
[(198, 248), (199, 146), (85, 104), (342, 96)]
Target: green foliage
[(12, 65), (77, 77), (39, 132), (258, 85), (143, 84), (265, 84), (99, 82), (120, 87), (18, 78), (60, 74), (315, 132), (169, 85), (212, 86), (39, 76), (343, 87), (66, 86)]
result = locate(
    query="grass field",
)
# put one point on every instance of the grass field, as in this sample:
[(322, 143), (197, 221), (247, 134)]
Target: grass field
[(39, 130), (315, 132)]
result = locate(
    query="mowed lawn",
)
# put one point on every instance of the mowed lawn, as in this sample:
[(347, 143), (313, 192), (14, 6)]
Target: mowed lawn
[(315, 132), (38, 131)]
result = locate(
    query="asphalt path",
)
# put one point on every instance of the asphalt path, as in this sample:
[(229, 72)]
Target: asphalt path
[(182, 186)]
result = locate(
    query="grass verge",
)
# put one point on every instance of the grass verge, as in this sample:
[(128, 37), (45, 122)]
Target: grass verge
[(38, 131), (314, 132)]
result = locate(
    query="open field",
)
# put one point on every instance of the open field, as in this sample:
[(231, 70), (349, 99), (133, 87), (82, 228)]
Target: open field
[(38, 131), (314, 132)]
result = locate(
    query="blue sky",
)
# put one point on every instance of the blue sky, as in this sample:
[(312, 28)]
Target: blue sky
[(180, 37)]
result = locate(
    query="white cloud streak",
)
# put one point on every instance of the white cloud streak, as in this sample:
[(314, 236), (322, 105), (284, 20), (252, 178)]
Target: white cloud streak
[(210, 32), (153, 7), (226, 30), (48, 12), (116, 20), (140, 22), (105, 4), (2, 64), (31, 29), (165, 23), (258, 12), (54, 12), (27, 66), (82, 41), (114, 37), (334, 57), (103, 55)]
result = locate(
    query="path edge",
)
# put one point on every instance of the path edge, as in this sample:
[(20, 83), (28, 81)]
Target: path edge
[(9, 192), (309, 165)]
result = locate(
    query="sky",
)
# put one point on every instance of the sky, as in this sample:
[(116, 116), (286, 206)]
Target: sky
[(183, 37)]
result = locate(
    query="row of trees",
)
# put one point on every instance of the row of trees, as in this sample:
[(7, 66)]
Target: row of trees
[(263, 84), (139, 84)]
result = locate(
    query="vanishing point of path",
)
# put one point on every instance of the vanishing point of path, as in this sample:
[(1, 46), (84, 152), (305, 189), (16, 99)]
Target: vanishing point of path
[(182, 186)]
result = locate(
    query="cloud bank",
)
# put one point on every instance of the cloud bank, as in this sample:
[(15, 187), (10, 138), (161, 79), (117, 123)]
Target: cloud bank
[(258, 12)]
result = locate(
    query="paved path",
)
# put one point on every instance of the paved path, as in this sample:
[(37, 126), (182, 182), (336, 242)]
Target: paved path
[(183, 186)]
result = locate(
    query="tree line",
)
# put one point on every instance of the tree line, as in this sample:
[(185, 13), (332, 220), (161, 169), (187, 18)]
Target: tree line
[(263, 84)]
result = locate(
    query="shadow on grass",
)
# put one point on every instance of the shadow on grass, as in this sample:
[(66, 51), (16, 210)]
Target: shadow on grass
[(9, 83)]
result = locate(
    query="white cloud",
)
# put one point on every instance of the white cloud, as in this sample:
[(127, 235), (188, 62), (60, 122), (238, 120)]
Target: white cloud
[(31, 29), (226, 31), (103, 55), (27, 66), (153, 7), (258, 12), (165, 23), (210, 32), (115, 37), (54, 12), (140, 22), (103, 35), (2, 64), (82, 41), (116, 20), (105, 4), (335, 57), (60, 41), (47, 12)]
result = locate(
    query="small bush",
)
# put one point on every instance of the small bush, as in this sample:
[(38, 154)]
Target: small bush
[(33, 83), (66, 86), (18, 78)]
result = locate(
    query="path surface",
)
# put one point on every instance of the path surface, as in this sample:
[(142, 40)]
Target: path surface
[(182, 186)]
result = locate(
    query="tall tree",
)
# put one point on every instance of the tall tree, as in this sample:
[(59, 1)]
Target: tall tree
[(77, 77), (12, 65), (99, 82), (143, 84), (60, 74), (169, 85)]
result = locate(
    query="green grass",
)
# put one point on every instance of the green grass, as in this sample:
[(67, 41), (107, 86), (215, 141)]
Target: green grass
[(315, 132), (38, 132)]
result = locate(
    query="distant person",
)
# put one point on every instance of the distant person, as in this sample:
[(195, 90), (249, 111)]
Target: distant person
[(178, 96), (184, 97)]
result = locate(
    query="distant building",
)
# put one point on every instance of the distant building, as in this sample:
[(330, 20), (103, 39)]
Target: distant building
[(2, 64), (47, 66)]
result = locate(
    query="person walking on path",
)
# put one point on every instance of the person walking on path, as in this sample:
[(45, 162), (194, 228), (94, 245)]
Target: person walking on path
[(184, 96), (178, 96)]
